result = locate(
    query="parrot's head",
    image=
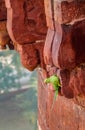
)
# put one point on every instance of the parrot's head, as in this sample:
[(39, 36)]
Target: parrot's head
[(47, 80)]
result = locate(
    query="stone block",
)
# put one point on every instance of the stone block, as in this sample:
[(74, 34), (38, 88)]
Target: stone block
[(28, 56), (64, 11), (26, 20), (31, 55), (67, 51)]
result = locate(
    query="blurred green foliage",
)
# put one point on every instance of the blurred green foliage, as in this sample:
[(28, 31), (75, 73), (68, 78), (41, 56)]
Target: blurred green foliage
[(10, 70), (12, 74)]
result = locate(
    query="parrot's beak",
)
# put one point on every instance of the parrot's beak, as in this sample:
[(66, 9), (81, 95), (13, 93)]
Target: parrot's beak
[(45, 81), (59, 85)]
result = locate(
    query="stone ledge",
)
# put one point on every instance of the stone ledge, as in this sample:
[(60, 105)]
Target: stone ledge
[(26, 20)]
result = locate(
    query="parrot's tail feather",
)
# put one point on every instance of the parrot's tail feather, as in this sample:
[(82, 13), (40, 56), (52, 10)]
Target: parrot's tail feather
[(54, 99)]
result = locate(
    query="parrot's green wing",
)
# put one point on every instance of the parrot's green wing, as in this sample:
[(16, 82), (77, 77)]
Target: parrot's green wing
[(54, 80)]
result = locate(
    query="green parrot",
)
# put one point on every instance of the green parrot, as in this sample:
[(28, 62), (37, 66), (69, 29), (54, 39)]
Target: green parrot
[(55, 81)]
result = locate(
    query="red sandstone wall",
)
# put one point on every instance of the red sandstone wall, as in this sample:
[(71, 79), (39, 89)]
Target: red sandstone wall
[(63, 48), (64, 55), (3, 15), (60, 51), (67, 114)]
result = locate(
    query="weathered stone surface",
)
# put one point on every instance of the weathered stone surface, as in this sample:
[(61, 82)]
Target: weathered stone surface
[(78, 40), (71, 11), (49, 11), (42, 104), (2, 25), (80, 100), (67, 51), (48, 8), (50, 23), (63, 54), (39, 47), (48, 47), (64, 11), (4, 37), (63, 47), (3, 13), (31, 55), (72, 81), (77, 80), (66, 90), (26, 20), (65, 114)]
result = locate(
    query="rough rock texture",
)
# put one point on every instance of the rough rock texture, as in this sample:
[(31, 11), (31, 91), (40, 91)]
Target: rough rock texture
[(64, 11), (63, 50), (4, 37), (48, 47), (66, 114), (67, 51), (26, 20), (3, 15), (73, 82), (26, 25), (64, 55), (70, 11), (31, 55)]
